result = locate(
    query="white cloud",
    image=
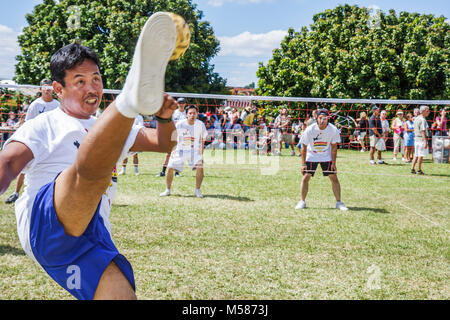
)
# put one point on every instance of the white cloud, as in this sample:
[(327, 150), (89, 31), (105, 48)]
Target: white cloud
[(10, 49), (247, 44), (219, 3)]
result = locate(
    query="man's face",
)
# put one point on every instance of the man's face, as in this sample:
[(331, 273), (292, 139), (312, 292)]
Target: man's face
[(376, 112), (426, 112), (83, 91), (322, 121), (47, 92), (192, 114), (383, 115), (181, 106)]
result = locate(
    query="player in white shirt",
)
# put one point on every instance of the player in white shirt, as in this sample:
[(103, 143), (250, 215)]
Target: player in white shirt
[(43, 104), (319, 146), (178, 115), (68, 157), (138, 121), (191, 138)]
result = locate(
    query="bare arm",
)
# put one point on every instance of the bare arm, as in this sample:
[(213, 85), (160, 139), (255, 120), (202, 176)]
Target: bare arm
[(333, 156), (13, 159), (164, 138)]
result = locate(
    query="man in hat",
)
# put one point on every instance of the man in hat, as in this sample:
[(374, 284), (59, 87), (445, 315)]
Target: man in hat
[(42, 104), (178, 115), (319, 146), (375, 133)]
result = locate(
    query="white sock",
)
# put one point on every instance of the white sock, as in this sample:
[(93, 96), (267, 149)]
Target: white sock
[(124, 107)]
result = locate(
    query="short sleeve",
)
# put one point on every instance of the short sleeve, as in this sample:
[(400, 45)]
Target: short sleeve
[(336, 136), (306, 137)]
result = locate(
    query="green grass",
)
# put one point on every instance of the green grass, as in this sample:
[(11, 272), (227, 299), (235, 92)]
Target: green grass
[(244, 240)]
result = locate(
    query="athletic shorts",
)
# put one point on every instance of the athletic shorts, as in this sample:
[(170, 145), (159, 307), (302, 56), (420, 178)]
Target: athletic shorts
[(75, 263), (179, 157), (311, 168), (420, 150), (373, 140)]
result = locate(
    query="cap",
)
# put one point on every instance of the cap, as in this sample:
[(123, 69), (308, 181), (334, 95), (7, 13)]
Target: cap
[(46, 82), (375, 107), (323, 112), (181, 100)]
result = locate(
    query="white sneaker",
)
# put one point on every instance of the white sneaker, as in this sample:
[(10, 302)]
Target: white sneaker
[(121, 172), (165, 193), (136, 173), (198, 194), (144, 87), (372, 162), (300, 205), (341, 206), (404, 160), (394, 159)]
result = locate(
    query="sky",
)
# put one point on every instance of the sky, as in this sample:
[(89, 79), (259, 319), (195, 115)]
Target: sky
[(248, 30)]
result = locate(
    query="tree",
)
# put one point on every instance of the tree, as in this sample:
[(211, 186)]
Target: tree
[(350, 53), (111, 28)]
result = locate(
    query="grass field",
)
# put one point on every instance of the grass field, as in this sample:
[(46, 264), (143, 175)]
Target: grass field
[(244, 240)]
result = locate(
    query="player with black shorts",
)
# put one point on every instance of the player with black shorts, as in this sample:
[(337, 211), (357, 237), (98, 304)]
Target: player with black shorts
[(319, 146)]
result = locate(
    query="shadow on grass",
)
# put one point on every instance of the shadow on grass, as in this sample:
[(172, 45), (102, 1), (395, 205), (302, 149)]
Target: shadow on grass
[(216, 196), (377, 210), (5, 249)]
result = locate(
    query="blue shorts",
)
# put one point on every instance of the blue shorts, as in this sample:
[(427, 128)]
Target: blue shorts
[(75, 263)]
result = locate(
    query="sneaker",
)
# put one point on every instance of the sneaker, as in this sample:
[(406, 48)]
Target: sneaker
[(144, 85), (12, 198), (122, 172), (165, 193), (373, 162), (198, 194), (413, 171), (381, 162), (363, 150), (394, 159), (136, 173), (161, 174), (341, 206), (300, 205), (404, 160), (420, 172), (293, 153), (177, 174)]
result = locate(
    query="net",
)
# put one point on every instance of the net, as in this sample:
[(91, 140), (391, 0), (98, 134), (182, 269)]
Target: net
[(253, 123)]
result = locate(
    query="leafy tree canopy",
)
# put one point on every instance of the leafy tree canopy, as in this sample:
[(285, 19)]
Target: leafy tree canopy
[(112, 27), (351, 52)]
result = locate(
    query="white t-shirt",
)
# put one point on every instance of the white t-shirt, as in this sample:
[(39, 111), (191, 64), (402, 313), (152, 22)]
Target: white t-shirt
[(319, 142), (190, 137), (54, 138), (39, 106), (178, 115)]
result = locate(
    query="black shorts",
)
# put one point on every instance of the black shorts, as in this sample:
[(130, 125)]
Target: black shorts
[(326, 168)]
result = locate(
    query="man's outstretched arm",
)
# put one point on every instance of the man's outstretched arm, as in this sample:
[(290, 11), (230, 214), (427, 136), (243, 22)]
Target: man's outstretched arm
[(13, 158)]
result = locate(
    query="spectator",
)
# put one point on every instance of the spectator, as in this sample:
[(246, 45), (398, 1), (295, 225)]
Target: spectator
[(398, 125), (420, 139), (297, 132), (441, 124), (409, 137), (234, 116), (238, 135), (312, 119), (416, 113), (375, 133), (10, 125), (283, 130), (363, 126), (249, 119)]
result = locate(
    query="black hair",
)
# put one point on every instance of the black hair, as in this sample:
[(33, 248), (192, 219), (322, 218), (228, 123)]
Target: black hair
[(69, 57), (191, 107)]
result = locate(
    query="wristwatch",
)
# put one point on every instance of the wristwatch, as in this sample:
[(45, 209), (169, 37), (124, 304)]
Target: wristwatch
[(163, 120)]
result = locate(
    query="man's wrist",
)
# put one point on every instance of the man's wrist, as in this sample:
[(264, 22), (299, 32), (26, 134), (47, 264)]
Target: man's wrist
[(163, 120)]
